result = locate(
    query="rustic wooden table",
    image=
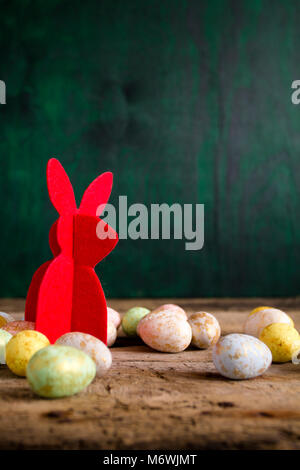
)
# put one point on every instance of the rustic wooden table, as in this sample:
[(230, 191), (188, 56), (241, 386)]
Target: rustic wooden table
[(152, 400)]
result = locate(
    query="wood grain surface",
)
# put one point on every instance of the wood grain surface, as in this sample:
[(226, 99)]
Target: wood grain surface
[(152, 400)]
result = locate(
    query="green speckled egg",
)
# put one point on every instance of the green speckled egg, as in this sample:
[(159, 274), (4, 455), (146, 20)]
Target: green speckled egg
[(131, 319), (4, 338), (60, 371)]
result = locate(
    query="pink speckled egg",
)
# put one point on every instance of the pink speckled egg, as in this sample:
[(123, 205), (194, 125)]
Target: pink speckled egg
[(172, 308), (258, 320), (15, 327), (205, 329), (165, 332), (114, 317), (238, 356), (111, 334)]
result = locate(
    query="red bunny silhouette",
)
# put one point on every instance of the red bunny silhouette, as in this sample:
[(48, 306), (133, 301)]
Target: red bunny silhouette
[(65, 293)]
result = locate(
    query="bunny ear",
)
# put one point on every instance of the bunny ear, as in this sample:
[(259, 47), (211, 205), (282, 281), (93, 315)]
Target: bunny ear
[(60, 189), (96, 194)]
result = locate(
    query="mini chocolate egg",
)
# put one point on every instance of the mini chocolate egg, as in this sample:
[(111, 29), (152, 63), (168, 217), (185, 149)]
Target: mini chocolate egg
[(205, 329), (60, 371), (114, 317), (131, 319), (7, 317), (4, 338), (165, 332), (91, 346), (238, 356), (111, 334), (15, 327), (282, 339), (21, 348), (175, 309), (257, 321)]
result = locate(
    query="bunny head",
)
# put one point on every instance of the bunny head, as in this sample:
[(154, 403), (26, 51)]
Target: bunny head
[(75, 232)]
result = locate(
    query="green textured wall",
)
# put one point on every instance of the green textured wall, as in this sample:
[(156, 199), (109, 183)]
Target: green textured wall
[(185, 101)]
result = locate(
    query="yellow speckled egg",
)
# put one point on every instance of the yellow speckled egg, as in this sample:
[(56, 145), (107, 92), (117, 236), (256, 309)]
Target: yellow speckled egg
[(111, 334), (15, 327), (258, 320), (239, 357), (258, 309), (114, 317), (170, 308), (131, 319), (60, 371), (92, 346), (282, 339), (5, 318), (21, 348), (205, 329), (164, 332), (4, 338)]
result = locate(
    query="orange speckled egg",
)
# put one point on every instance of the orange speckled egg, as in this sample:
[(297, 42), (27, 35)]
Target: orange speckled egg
[(258, 320), (165, 332), (15, 327), (205, 329), (114, 317)]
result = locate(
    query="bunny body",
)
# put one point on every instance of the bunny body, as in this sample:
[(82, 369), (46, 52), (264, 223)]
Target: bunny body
[(65, 293)]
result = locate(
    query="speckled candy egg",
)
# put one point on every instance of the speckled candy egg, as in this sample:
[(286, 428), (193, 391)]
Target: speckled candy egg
[(282, 339), (4, 338), (111, 334), (258, 320), (164, 332), (205, 329), (131, 319), (15, 327), (92, 346), (238, 356), (21, 348), (114, 317), (60, 371), (172, 308), (5, 318)]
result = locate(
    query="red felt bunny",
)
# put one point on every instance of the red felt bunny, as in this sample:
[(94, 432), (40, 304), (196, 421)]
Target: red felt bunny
[(65, 293)]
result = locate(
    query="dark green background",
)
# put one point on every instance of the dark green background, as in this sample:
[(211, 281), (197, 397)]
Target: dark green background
[(185, 101)]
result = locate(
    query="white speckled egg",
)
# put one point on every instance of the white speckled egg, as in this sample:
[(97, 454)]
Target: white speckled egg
[(5, 318), (238, 356), (92, 346), (205, 329), (165, 332), (114, 317), (111, 334), (5, 336), (258, 320)]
